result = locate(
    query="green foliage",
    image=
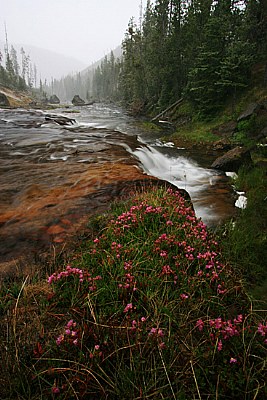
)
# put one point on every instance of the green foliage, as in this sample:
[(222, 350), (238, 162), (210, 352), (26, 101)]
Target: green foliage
[(105, 79), (10, 75), (150, 126), (201, 50)]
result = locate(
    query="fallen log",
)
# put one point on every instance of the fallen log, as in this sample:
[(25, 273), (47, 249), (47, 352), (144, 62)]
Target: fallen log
[(178, 102)]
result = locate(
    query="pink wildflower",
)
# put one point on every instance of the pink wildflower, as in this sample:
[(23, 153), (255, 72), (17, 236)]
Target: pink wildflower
[(221, 290), (200, 324), (55, 390), (183, 296), (128, 307), (160, 333), (219, 345), (239, 319), (69, 324), (97, 347), (60, 339), (163, 253), (218, 323), (214, 275), (262, 329), (209, 266), (233, 360), (156, 332), (50, 279)]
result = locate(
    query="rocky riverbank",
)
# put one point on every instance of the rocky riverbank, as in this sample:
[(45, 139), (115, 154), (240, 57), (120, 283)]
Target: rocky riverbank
[(14, 98)]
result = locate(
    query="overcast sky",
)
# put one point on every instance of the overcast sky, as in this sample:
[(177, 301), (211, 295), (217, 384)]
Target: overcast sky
[(84, 29)]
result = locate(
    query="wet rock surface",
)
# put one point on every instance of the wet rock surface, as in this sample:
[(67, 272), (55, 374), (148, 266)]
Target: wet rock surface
[(251, 109), (51, 178), (4, 100), (77, 101), (233, 159), (226, 130), (54, 99)]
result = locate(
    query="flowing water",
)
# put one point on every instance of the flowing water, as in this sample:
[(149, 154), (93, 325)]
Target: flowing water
[(54, 171)]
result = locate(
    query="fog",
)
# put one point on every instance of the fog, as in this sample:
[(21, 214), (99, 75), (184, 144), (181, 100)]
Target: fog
[(82, 29)]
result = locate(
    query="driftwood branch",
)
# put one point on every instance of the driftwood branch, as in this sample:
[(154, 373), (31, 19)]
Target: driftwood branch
[(167, 109)]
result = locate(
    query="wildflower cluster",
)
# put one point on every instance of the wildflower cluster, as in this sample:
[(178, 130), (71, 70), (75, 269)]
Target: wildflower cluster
[(159, 270), (84, 276), (70, 334), (221, 330), (157, 334), (138, 325), (129, 281), (262, 330)]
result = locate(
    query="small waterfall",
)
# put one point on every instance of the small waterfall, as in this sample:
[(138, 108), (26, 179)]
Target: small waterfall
[(200, 183), (180, 171)]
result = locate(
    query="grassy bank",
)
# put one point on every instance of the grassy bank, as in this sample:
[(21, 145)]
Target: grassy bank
[(245, 239), (146, 309)]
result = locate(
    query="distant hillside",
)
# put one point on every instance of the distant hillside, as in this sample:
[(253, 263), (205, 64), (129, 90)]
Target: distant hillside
[(78, 83), (49, 64), (117, 54)]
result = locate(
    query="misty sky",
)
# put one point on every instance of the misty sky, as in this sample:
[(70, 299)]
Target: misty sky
[(84, 29)]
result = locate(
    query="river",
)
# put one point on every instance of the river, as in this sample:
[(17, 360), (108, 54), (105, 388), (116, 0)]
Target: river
[(54, 172)]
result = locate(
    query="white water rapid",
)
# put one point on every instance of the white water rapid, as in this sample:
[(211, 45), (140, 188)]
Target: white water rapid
[(185, 173)]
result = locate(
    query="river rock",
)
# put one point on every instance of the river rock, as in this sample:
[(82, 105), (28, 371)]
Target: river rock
[(4, 100), (54, 99), (252, 108), (59, 119), (225, 130), (221, 145), (77, 101), (232, 160)]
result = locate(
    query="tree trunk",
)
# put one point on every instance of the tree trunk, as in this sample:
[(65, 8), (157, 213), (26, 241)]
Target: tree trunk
[(167, 109)]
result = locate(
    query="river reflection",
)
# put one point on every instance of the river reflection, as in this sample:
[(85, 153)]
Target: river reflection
[(53, 171)]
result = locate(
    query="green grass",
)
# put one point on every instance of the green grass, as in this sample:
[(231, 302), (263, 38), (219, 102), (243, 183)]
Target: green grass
[(196, 132), (147, 309), (150, 126), (246, 240)]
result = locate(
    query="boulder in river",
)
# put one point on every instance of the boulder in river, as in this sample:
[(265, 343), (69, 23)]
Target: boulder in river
[(54, 99), (77, 101), (233, 159), (4, 100)]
